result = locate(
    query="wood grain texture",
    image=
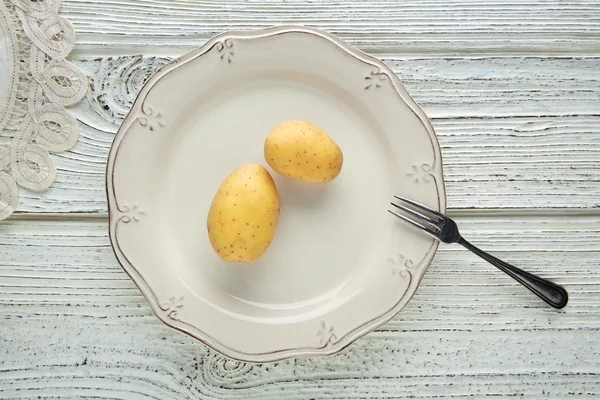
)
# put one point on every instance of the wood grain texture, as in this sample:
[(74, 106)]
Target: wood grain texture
[(431, 27), (514, 132), (512, 89), (74, 325)]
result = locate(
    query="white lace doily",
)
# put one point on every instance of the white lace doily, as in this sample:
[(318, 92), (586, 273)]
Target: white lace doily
[(36, 83)]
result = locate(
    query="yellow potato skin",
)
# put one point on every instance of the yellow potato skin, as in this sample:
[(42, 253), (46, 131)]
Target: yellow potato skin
[(243, 215), (302, 151)]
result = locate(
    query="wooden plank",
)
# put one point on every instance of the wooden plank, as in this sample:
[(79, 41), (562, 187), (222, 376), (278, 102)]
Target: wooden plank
[(514, 132), (411, 28), (74, 325)]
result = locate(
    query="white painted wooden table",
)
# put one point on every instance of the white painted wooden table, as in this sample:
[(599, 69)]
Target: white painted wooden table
[(513, 90)]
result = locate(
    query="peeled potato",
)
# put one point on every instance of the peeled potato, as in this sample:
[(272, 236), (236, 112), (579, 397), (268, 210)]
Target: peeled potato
[(302, 151), (243, 215)]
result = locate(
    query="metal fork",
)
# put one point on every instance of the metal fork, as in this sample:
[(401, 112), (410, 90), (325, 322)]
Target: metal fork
[(445, 230)]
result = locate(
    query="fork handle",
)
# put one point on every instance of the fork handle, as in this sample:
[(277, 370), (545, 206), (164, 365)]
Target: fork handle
[(550, 292)]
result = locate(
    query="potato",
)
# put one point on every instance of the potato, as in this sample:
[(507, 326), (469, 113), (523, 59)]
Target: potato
[(243, 215), (302, 151)]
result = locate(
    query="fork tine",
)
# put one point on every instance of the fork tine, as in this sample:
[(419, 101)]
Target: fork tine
[(418, 215), (424, 228), (421, 207)]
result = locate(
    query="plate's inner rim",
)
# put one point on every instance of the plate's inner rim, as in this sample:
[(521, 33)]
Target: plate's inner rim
[(163, 310)]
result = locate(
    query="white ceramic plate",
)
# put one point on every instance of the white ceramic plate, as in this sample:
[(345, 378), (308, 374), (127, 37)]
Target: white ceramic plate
[(340, 265)]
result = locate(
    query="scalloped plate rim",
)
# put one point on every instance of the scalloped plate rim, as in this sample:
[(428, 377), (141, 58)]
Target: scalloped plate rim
[(195, 332)]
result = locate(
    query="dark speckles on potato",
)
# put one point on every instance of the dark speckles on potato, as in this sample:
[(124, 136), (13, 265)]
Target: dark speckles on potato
[(246, 214), (302, 151)]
